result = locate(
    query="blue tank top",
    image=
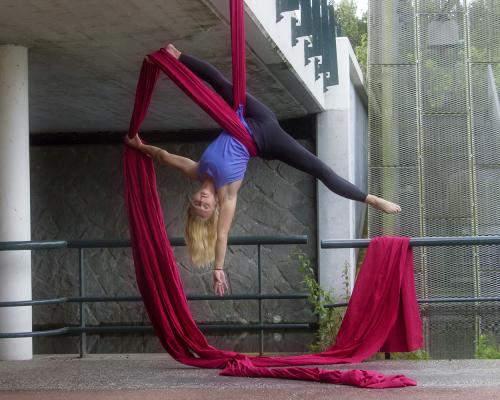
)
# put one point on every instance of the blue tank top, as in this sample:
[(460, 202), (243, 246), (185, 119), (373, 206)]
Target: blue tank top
[(225, 160)]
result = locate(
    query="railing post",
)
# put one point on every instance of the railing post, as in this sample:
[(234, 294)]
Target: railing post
[(259, 279), (83, 335)]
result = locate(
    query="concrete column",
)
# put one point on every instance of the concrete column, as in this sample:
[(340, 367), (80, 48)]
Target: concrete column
[(335, 217), (15, 266), (342, 144)]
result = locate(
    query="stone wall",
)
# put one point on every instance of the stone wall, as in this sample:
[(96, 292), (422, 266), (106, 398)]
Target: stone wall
[(77, 193)]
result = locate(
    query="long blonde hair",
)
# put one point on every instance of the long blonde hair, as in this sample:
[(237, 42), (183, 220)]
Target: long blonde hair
[(201, 235)]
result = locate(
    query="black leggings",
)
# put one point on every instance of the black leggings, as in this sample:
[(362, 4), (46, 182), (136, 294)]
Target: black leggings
[(272, 141)]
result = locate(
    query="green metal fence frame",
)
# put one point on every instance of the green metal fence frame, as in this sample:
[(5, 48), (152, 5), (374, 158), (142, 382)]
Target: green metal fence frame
[(82, 329), (424, 242)]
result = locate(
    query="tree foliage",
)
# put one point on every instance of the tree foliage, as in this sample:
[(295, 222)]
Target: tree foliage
[(354, 27)]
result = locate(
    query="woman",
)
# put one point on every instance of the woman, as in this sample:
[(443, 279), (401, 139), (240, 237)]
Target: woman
[(222, 167)]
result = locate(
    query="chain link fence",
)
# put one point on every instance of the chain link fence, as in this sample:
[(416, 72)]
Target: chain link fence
[(434, 147)]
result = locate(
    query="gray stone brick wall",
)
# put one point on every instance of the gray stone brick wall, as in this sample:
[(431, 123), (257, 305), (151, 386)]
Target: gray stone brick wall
[(77, 193)]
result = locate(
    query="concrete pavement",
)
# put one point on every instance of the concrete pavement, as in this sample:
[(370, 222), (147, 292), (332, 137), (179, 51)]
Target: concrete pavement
[(157, 376)]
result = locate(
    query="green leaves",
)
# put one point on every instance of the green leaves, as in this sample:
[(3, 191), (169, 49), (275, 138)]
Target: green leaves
[(355, 28), (487, 347), (329, 318)]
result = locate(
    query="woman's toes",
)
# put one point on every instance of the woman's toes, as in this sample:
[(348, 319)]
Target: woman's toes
[(386, 206)]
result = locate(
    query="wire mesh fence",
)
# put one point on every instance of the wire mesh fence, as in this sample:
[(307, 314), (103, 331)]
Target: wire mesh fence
[(434, 147)]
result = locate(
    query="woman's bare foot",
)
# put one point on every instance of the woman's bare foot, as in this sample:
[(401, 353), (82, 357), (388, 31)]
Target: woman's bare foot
[(172, 50), (382, 205)]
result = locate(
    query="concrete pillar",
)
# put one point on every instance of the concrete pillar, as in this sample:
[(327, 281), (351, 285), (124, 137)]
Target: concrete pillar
[(15, 266), (335, 219), (341, 142)]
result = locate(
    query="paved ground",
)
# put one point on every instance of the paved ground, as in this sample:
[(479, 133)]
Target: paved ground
[(156, 376)]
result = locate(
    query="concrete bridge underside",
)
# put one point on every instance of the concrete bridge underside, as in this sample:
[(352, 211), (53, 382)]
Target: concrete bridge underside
[(84, 59)]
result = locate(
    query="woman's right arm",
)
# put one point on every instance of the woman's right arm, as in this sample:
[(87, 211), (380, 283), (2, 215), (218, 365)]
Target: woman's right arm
[(183, 164)]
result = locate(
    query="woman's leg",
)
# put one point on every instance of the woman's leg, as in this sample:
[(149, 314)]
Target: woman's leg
[(285, 148), (210, 74)]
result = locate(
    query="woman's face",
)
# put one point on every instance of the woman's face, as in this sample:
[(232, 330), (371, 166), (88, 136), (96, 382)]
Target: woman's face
[(203, 203)]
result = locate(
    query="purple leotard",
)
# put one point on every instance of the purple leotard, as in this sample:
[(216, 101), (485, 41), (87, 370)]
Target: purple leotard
[(225, 159)]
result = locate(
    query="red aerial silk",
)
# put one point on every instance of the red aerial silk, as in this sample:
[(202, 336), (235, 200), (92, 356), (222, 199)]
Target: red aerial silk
[(194, 87), (382, 315), (238, 53)]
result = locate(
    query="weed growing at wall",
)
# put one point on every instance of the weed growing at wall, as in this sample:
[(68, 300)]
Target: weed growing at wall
[(329, 318), (487, 347)]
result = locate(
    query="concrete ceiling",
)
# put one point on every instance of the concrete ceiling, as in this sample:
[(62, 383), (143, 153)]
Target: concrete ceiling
[(84, 60)]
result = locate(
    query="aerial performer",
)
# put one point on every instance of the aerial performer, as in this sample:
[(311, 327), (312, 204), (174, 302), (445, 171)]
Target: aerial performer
[(222, 167)]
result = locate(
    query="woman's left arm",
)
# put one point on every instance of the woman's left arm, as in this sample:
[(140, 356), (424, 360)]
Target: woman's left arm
[(184, 164), (226, 215)]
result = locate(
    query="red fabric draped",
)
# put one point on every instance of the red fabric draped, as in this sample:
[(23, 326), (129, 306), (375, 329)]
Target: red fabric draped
[(200, 93), (144, 91), (238, 53), (382, 313)]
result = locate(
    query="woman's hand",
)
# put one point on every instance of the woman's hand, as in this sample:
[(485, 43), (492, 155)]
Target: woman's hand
[(135, 142), (220, 283)]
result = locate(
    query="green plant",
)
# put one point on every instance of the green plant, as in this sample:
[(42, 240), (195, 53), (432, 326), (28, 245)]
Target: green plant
[(346, 281), (354, 27), (414, 355), (487, 347), (361, 52), (329, 318)]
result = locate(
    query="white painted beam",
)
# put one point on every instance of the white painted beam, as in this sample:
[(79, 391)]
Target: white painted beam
[(15, 266)]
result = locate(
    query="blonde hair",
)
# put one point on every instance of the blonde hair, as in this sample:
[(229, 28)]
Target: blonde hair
[(201, 235)]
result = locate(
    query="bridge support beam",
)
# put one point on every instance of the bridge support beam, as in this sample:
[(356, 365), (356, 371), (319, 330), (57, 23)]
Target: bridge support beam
[(15, 266)]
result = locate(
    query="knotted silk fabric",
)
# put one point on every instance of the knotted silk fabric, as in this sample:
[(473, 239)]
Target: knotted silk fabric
[(382, 314)]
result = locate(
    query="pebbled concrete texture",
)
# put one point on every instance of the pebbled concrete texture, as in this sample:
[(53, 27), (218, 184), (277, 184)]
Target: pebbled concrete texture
[(157, 376)]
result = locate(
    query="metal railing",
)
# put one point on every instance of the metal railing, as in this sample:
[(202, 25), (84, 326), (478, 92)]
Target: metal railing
[(259, 241), (423, 241), (82, 299)]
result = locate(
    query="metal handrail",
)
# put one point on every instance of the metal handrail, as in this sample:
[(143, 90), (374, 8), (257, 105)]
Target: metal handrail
[(75, 330), (427, 242), (239, 240), (82, 330), (111, 243), (416, 241), (438, 300), (109, 299)]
